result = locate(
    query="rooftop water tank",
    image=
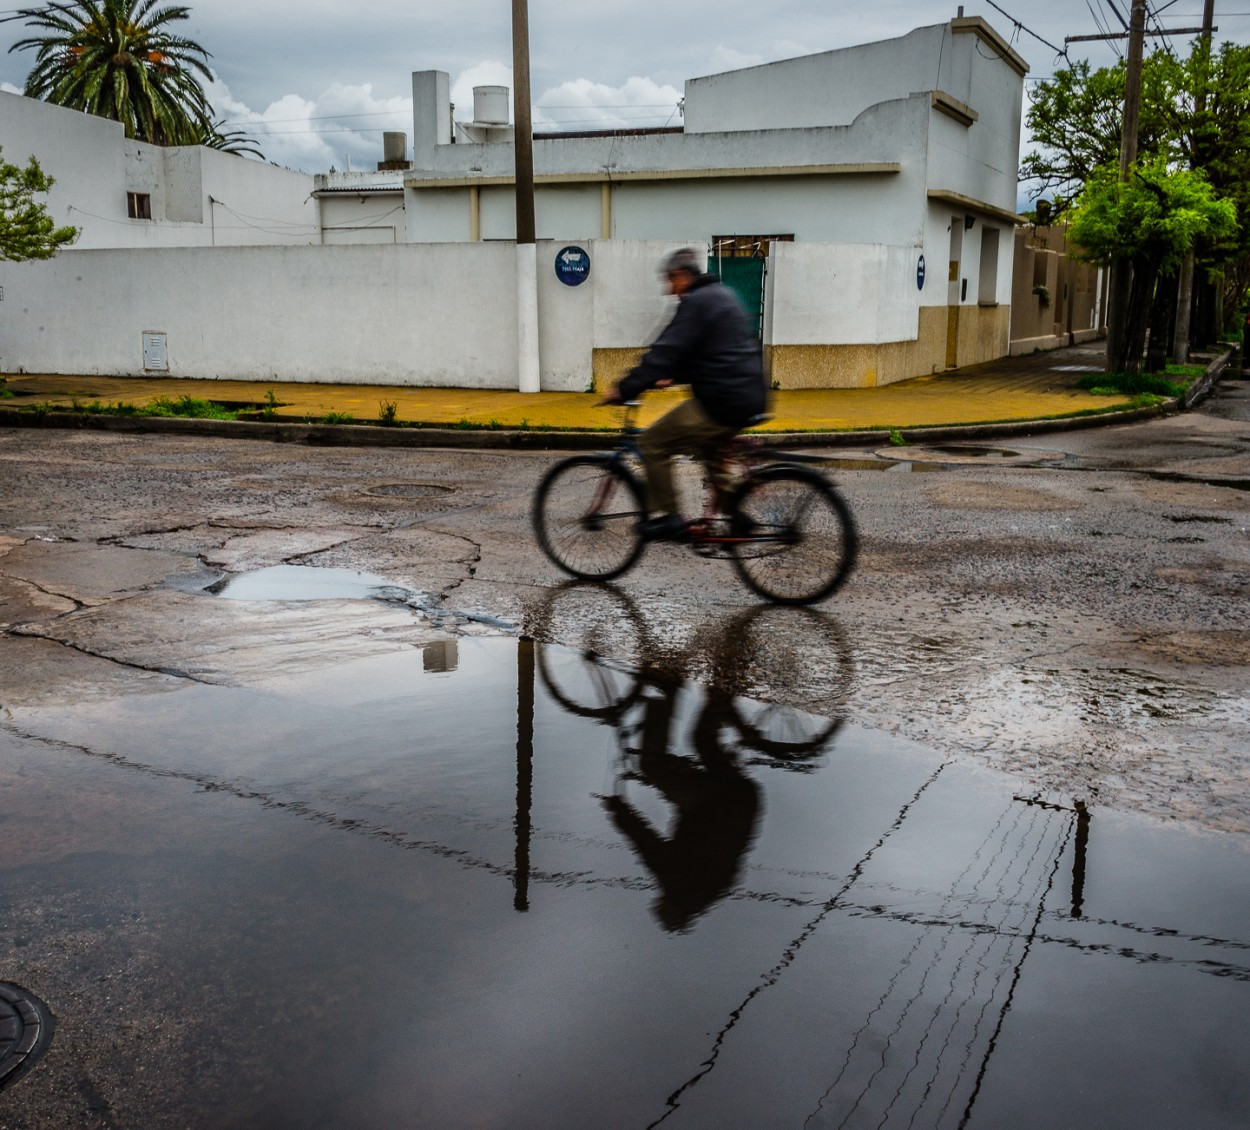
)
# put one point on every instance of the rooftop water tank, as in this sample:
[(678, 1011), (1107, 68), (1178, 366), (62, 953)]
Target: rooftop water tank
[(394, 146), (490, 105)]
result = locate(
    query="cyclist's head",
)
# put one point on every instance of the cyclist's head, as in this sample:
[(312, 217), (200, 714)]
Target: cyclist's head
[(681, 268)]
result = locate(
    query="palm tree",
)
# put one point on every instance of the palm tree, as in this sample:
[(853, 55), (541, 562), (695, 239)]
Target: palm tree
[(116, 59), (235, 141)]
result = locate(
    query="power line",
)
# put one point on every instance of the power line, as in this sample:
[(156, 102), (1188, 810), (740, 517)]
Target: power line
[(1063, 51)]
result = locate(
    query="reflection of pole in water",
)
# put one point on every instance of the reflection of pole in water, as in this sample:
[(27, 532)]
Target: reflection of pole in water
[(1078, 858), (524, 769)]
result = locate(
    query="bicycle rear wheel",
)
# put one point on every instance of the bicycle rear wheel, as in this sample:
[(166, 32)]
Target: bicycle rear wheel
[(799, 540), (585, 512)]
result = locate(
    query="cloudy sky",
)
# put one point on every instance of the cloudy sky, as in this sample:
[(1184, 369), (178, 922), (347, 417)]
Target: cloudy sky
[(315, 82)]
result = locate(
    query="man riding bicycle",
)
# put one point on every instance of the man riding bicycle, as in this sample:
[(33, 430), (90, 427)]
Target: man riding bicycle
[(709, 345)]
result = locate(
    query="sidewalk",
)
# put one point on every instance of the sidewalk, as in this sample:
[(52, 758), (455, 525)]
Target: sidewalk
[(1011, 390)]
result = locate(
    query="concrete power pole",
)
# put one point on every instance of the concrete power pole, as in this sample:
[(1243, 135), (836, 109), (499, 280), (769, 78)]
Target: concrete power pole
[(1185, 286), (1122, 272), (528, 366)]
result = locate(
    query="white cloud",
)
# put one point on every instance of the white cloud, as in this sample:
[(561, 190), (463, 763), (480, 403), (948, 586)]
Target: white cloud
[(343, 126), (728, 59), (9, 88), (582, 104)]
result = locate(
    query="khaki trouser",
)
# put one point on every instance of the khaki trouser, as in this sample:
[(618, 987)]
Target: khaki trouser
[(686, 430)]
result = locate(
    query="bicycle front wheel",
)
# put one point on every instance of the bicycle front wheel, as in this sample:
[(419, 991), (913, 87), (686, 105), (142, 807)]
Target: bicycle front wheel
[(798, 540), (585, 512)]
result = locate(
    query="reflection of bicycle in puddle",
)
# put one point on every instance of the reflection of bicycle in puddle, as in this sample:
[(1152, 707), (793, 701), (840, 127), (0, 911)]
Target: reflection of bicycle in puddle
[(686, 730)]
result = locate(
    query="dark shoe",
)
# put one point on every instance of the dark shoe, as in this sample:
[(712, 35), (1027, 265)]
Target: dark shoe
[(665, 527)]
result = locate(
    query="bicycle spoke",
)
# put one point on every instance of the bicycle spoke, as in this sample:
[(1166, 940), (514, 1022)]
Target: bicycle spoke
[(798, 539), (573, 526)]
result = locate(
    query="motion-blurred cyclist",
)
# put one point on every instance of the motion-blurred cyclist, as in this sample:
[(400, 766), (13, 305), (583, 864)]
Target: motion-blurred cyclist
[(709, 345)]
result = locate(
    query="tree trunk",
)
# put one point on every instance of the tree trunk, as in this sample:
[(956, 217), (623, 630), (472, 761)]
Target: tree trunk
[(1133, 344), (1184, 309), (1162, 311)]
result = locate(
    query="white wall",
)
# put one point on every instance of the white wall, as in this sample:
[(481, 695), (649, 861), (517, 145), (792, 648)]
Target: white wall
[(834, 87), (95, 166), (362, 218), (842, 294), (422, 315), (437, 314)]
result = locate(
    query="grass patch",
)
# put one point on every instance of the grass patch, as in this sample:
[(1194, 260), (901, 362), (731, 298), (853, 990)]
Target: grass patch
[(388, 412), (1138, 384), (188, 406)]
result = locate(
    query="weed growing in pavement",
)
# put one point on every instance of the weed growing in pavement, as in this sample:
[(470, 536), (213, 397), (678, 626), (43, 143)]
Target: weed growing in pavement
[(387, 413), (896, 438), (189, 406), (5, 391), (271, 405), (333, 417)]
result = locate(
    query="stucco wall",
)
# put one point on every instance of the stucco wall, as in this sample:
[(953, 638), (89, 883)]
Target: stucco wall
[(844, 294), (832, 87), (433, 315), (256, 204), (429, 314)]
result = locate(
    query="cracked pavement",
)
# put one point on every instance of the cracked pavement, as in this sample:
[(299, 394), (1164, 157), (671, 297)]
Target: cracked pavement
[(1074, 613)]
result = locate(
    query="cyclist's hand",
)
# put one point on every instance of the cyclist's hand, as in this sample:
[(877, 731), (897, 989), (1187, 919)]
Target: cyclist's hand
[(663, 382), (612, 396)]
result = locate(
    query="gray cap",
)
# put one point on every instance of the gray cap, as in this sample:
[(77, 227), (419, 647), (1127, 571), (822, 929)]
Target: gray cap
[(685, 259)]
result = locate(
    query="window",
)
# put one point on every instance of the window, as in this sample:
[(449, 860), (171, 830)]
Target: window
[(139, 205), (987, 282)]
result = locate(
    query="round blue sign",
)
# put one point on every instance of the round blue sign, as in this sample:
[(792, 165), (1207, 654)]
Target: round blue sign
[(572, 265), (920, 273)]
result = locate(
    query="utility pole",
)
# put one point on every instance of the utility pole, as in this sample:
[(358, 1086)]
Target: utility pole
[(1122, 272), (528, 367), (1185, 284)]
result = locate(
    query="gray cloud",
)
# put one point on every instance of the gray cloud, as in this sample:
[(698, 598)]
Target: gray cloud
[(318, 81)]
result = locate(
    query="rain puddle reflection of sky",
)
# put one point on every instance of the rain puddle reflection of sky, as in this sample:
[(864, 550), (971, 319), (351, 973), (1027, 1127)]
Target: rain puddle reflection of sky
[(501, 883)]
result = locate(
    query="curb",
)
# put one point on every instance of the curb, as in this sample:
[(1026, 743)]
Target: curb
[(367, 435)]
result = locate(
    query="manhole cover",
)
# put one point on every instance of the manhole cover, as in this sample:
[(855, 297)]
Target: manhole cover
[(25, 1032), (410, 490)]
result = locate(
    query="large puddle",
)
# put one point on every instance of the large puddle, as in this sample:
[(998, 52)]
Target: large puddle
[(500, 883)]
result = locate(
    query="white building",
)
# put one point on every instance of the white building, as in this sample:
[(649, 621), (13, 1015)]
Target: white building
[(123, 193), (873, 187), (862, 199)]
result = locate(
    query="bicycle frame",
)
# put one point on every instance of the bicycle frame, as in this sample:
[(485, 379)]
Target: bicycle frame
[(710, 531)]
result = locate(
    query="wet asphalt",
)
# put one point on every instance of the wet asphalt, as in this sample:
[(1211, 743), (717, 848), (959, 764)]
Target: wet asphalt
[(323, 801)]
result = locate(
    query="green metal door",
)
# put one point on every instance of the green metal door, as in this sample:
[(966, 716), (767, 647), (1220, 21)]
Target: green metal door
[(745, 277)]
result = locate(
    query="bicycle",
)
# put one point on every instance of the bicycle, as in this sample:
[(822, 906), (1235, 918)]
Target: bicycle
[(787, 530)]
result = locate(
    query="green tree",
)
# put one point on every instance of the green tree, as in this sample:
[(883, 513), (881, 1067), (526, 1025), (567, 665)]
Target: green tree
[(119, 60), (1147, 223), (26, 229), (1075, 118)]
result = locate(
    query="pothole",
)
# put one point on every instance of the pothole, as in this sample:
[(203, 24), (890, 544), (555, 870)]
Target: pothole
[(409, 490), (960, 454), (308, 582), (25, 1032), (880, 464)]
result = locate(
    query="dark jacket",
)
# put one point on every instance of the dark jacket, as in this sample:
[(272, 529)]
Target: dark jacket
[(710, 346)]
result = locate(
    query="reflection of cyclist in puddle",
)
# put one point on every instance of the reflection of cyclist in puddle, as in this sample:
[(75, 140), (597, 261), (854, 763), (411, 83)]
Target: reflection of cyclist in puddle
[(717, 809), (716, 806)]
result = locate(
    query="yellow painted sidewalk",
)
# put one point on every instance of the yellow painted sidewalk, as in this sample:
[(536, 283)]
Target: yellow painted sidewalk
[(1039, 386)]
